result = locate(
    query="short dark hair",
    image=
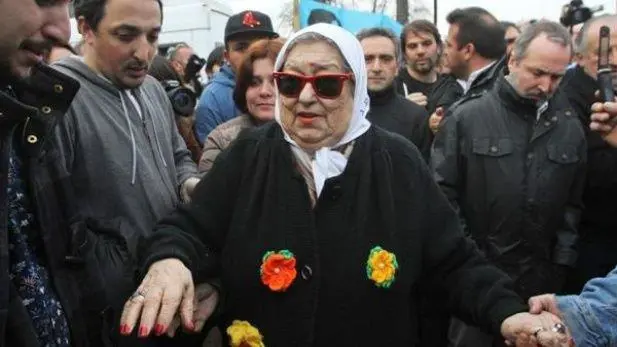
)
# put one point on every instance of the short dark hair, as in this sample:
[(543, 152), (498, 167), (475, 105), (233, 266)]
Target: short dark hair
[(380, 32), (93, 11), (419, 26), (216, 57), (507, 25), (261, 49), (480, 28)]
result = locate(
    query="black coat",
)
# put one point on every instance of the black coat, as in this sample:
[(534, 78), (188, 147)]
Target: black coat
[(392, 112), (443, 93), (517, 181), (254, 201), (71, 251), (485, 80), (598, 220)]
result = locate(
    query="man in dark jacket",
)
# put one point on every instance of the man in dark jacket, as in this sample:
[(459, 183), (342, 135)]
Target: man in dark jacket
[(390, 110), (512, 162), (418, 79), (598, 229), (475, 48), (50, 288)]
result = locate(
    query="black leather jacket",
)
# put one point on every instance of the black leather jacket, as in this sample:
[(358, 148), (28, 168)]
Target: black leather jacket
[(516, 178), (80, 260)]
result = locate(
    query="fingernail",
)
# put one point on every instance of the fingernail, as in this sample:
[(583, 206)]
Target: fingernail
[(123, 329), (159, 329), (143, 331), (190, 326)]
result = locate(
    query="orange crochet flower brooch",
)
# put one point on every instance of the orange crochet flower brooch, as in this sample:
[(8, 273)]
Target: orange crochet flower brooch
[(381, 267), (278, 270)]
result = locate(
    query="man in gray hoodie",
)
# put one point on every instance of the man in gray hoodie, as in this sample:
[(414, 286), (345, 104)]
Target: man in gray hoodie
[(119, 140)]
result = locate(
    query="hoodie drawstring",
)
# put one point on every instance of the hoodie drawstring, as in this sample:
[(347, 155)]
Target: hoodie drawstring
[(156, 136), (133, 145)]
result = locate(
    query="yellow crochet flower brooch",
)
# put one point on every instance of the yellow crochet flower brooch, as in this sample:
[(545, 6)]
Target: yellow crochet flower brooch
[(381, 267), (243, 334)]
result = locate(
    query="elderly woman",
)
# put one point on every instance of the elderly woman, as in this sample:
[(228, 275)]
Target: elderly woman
[(319, 226), (253, 95)]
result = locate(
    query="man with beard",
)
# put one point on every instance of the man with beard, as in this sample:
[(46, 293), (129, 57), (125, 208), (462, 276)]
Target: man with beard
[(119, 141), (512, 162), (419, 80), (47, 296), (390, 110), (598, 240), (475, 48)]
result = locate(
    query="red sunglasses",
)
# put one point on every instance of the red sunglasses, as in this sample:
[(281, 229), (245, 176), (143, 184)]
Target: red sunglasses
[(327, 86)]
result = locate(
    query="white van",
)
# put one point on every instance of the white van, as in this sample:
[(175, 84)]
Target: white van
[(198, 23)]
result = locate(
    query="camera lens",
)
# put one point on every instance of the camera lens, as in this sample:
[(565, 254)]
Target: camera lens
[(182, 99)]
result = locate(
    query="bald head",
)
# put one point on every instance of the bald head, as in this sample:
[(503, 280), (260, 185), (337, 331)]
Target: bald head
[(588, 42), (591, 29)]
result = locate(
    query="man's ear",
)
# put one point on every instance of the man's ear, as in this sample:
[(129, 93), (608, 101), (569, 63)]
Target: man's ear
[(469, 50), (84, 29), (512, 61)]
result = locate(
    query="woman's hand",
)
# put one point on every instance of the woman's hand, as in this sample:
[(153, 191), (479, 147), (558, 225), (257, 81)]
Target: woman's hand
[(166, 289), (524, 329), (204, 304)]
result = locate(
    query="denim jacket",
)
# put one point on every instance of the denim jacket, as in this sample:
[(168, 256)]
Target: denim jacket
[(592, 315)]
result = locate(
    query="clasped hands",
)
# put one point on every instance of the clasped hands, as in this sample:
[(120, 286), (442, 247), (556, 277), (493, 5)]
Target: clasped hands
[(542, 326)]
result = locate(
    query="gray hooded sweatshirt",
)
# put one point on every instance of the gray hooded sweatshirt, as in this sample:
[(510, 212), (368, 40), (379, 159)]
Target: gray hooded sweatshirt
[(125, 164)]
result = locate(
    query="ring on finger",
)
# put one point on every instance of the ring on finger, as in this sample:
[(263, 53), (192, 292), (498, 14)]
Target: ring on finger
[(537, 330), (559, 328), (138, 293)]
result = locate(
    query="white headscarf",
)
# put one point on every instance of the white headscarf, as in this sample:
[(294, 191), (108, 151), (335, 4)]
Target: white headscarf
[(327, 162)]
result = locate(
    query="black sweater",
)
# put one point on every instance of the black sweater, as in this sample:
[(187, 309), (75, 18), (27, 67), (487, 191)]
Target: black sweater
[(394, 113), (253, 201)]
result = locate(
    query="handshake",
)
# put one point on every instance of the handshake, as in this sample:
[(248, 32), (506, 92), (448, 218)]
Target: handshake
[(542, 326)]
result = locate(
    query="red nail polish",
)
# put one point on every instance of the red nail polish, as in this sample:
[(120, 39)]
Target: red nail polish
[(124, 329), (159, 329), (143, 331), (190, 326)]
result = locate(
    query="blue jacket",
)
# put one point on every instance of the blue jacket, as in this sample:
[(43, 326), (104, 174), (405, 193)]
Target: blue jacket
[(216, 105), (592, 315)]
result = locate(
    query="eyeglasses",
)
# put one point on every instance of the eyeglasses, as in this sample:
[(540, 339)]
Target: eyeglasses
[(325, 86)]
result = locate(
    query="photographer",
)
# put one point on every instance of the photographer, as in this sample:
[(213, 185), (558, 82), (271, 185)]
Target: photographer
[(187, 65), (183, 100)]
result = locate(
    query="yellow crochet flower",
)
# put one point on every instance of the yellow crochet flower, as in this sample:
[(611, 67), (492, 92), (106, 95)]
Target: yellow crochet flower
[(243, 334), (381, 267)]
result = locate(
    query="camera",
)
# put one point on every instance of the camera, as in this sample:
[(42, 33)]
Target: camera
[(576, 13), (183, 100), (191, 73)]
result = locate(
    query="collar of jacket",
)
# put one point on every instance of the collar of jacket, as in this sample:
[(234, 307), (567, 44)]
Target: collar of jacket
[(583, 84), (508, 95), (489, 75), (383, 96), (39, 102)]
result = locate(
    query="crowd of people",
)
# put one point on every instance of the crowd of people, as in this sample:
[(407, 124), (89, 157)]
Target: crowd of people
[(324, 189)]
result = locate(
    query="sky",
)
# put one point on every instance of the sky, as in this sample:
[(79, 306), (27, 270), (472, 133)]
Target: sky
[(511, 10)]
